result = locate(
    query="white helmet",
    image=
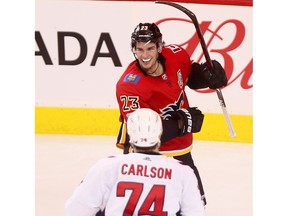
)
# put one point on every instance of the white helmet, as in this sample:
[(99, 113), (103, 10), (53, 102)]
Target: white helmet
[(144, 127)]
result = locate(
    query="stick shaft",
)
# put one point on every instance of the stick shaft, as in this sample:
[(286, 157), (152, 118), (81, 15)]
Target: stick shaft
[(193, 18)]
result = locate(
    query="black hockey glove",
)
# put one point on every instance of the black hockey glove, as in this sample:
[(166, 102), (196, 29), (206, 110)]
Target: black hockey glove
[(215, 77), (191, 119)]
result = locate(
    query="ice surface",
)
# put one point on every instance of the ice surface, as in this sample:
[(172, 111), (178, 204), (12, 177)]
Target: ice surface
[(62, 161)]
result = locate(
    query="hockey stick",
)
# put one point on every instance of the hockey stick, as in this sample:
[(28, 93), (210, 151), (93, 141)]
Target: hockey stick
[(193, 18)]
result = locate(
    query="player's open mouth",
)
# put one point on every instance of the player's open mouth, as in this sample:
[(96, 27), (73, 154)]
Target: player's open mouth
[(146, 61)]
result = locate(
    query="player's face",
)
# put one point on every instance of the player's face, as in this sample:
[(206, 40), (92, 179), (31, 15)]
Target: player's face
[(147, 54)]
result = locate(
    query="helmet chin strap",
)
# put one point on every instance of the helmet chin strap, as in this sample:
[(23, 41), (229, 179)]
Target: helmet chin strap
[(151, 73), (133, 51)]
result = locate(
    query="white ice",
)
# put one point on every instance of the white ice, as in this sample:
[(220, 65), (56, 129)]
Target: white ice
[(62, 161)]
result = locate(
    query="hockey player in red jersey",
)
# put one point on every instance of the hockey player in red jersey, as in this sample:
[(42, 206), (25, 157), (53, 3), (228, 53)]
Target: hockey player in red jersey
[(157, 80)]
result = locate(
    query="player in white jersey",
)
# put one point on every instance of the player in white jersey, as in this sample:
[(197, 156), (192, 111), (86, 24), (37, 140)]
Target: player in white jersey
[(143, 182)]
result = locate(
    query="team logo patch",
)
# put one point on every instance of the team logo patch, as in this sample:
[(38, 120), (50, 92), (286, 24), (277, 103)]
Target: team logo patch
[(132, 78)]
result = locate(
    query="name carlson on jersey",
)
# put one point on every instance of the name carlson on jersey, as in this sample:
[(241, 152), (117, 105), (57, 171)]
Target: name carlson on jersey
[(146, 171)]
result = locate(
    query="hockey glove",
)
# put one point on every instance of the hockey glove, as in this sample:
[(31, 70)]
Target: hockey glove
[(191, 120), (215, 77)]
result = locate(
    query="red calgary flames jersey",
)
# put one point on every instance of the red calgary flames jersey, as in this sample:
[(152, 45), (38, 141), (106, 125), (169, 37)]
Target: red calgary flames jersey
[(163, 94)]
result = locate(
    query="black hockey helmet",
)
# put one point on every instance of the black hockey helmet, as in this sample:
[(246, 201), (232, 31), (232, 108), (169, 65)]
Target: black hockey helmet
[(145, 32)]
